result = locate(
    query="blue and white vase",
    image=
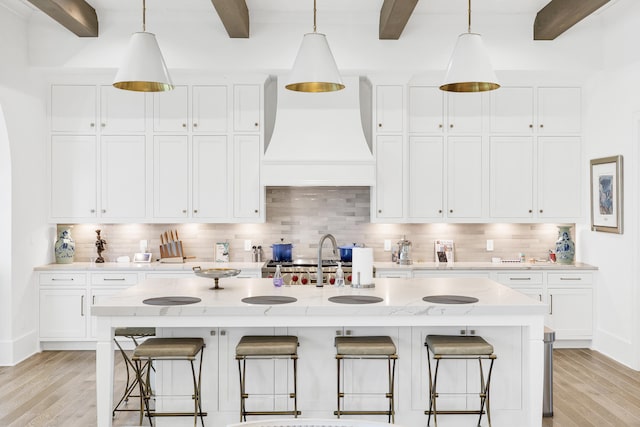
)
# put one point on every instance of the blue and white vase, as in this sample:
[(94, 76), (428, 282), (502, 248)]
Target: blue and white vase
[(65, 248), (565, 247)]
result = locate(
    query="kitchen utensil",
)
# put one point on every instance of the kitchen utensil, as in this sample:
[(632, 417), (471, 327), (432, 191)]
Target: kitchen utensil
[(404, 252), (163, 250), (346, 252), (174, 250), (179, 246), (282, 251)]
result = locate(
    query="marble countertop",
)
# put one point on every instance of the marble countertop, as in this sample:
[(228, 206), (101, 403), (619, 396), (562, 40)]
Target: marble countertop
[(401, 298), (484, 266)]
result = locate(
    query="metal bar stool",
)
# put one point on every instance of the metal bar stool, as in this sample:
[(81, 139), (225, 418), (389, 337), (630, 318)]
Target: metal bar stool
[(459, 347), (376, 347), (168, 349), (267, 347), (132, 380)]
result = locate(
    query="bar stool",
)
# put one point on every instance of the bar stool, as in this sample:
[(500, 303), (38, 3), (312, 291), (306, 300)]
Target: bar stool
[(459, 347), (267, 347), (375, 347), (152, 349), (132, 381)]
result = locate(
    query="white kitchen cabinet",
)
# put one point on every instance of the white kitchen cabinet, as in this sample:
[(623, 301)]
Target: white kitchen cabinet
[(426, 109), (560, 166), (418, 274), (389, 108), (511, 177), (63, 314), (122, 111), (246, 108), (210, 109), (393, 273), (465, 193), (464, 112), (247, 193), (211, 177), (73, 108), (96, 295), (389, 179), (123, 178), (170, 110), (559, 110), (512, 110), (74, 166), (170, 177), (426, 177)]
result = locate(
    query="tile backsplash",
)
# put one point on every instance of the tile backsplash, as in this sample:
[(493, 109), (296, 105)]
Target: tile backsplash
[(302, 215)]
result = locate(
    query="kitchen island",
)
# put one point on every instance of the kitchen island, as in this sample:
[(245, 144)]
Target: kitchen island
[(509, 320)]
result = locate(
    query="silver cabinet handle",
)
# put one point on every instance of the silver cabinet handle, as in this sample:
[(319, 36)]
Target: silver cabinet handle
[(81, 305), (571, 278), (519, 278), (540, 297), (93, 300), (119, 279), (64, 280), (551, 304)]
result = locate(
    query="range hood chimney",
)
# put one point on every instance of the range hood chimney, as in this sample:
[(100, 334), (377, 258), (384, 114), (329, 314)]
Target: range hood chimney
[(321, 139)]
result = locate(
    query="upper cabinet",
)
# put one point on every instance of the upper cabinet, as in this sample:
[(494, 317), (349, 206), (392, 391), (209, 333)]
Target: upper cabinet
[(389, 108), (559, 110), (73, 108), (389, 180), (170, 110), (426, 178), (465, 112), (122, 111), (247, 109), (210, 109), (426, 109), (512, 110)]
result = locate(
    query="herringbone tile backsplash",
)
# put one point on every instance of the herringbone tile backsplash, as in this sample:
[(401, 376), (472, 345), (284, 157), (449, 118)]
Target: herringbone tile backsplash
[(301, 215)]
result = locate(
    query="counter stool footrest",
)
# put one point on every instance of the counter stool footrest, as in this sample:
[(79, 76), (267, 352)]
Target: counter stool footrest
[(455, 412), (175, 414), (362, 413), (296, 413)]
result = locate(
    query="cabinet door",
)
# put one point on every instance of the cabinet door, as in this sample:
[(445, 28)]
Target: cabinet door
[(247, 190), (63, 314), (464, 177), (211, 177), (73, 108), (389, 109), (96, 296), (426, 109), (559, 110), (559, 167), (464, 112), (426, 160), (246, 108), (73, 176), (170, 177), (121, 111), (512, 110), (389, 197), (170, 110), (210, 109), (511, 177), (124, 177), (571, 312)]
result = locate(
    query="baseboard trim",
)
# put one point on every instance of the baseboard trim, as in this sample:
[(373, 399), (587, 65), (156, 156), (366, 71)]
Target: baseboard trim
[(19, 349), (615, 347)]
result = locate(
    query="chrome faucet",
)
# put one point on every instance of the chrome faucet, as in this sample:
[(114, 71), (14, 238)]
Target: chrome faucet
[(319, 277)]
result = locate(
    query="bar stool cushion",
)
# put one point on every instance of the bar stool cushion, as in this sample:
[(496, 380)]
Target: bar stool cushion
[(458, 345), (135, 332), (267, 345), (365, 346), (158, 348)]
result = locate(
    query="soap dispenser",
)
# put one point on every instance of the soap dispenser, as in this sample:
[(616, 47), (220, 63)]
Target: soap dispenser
[(339, 275)]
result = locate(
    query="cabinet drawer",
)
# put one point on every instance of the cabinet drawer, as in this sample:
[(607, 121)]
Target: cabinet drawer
[(511, 279), (114, 278), (393, 273), (569, 278), (75, 279)]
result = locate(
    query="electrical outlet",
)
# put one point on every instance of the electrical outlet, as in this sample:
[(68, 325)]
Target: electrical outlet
[(387, 245), (247, 245), (489, 245)]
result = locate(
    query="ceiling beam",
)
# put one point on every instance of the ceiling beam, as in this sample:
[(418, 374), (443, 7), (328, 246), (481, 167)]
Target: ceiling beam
[(394, 16), (235, 17), (560, 15), (76, 16)]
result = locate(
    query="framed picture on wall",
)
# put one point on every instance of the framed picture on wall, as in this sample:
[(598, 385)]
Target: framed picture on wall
[(606, 194)]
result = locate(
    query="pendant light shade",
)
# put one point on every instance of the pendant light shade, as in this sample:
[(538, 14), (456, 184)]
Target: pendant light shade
[(470, 68), (143, 68), (314, 69)]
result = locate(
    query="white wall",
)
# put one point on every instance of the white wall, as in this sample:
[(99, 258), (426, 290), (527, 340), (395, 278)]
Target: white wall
[(24, 241)]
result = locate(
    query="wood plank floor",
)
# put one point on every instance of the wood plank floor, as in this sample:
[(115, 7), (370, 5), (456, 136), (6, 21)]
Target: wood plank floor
[(57, 389)]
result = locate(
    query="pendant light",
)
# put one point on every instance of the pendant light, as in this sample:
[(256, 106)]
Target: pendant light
[(314, 69), (143, 68), (470, 67)]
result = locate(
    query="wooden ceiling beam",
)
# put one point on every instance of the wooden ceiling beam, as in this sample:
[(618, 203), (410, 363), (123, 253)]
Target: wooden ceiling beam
[(76, 16), (235, 17), (560, 15), (394, 16)]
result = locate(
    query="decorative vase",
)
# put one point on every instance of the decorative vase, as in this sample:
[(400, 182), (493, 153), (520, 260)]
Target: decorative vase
[(565, 247), (65, 247)]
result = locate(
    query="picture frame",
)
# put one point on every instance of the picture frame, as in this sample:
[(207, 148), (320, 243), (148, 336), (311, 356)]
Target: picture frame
[(607, 194), (142, 257)]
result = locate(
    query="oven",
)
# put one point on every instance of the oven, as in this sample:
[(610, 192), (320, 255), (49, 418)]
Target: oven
[(304, 271)]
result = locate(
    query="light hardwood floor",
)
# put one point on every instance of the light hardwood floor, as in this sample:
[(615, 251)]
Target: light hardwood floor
[(57, 389)]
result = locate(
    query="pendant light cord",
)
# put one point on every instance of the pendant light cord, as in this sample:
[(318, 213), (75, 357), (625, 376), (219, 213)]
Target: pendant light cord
[(314, 16), (469, 27), (144, 16)]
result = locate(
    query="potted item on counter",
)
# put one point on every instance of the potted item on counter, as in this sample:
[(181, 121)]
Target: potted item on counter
[(282, 251), (346, 252)]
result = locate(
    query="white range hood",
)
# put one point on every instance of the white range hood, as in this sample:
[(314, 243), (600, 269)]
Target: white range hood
[(321, 139)]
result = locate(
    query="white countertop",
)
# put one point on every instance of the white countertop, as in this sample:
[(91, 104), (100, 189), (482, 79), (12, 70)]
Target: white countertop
[(402, 298), (483, 266)]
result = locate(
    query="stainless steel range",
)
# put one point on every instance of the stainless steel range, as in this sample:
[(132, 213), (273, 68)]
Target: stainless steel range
[(304, 271)]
